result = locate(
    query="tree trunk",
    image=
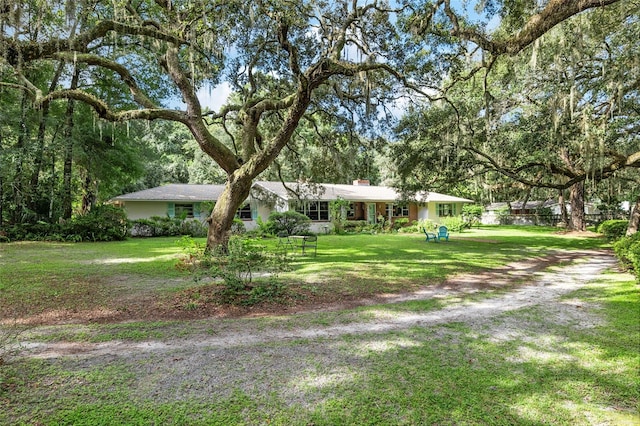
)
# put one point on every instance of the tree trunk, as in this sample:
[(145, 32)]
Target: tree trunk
[(21, 148), (1, 203), (40, 148), (564, 214), (577, 207), (68, 152), (88, 195), (634, 218), (235, 193)]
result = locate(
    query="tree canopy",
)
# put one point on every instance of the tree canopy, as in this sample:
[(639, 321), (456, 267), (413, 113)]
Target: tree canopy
[(290, 64), (562, 113)]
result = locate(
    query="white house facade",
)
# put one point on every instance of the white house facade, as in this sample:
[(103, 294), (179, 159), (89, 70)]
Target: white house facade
[(365, 202)]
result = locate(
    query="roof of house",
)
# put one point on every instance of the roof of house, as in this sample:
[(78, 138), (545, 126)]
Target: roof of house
[(287, 191), (175, 192), (329, 192)]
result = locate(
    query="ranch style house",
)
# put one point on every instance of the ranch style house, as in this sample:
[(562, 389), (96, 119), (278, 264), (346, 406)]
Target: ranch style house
[(365, 202)]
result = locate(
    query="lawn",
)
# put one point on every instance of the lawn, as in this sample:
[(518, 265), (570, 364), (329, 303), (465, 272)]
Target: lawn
[(138, 278), (529, 366)]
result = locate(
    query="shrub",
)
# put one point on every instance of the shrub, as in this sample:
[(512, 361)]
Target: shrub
[(613, 229), (544, 215), (410, 228), (454, 223), (291, 222), (471, 214), (400, 223), (504, 216), (337, 209), (142, 228), (238, 227), (354, 226), (158, 226), (628, 251), (193, 228), (102, 223), (237, 266)]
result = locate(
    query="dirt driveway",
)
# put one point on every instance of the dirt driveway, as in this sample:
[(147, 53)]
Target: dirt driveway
[(276, 353)]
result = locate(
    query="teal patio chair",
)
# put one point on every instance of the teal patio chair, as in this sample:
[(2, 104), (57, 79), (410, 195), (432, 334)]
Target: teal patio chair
[(431, 236), (443, 233)]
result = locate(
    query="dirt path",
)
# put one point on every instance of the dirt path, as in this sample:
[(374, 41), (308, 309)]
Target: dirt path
[(542, 288), (300, 359)]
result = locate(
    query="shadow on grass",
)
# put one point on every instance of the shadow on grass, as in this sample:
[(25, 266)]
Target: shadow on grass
[(523, 368)]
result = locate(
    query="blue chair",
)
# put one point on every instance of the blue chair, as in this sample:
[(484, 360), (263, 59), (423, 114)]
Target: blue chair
[(430, 235), (443, 233)]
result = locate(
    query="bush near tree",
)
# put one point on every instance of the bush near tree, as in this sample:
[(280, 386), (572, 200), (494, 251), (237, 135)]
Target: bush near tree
[(613, 229), (247, 272), (628, 251), (291, 222), (102, 223), (471, 214)]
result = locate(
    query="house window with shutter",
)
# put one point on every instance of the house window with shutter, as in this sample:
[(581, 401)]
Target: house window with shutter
[(184, 211), (446, 210), (244, 212)]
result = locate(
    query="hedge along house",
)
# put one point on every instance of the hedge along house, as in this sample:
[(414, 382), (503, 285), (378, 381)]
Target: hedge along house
[(362, 202)]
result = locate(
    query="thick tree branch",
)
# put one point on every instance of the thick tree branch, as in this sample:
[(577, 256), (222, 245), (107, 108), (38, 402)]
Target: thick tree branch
[(555, 12), (18, 51), (105, 112), (138, 95), (219, 152), (572, 177)]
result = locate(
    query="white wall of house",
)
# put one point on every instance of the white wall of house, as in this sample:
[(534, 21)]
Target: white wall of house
[(145, 209), (264, 210), (430, 211), (423, 212)]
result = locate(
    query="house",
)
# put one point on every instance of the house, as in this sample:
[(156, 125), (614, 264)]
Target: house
[(173, 200), (529, 213), (518, 212), (365, 202)]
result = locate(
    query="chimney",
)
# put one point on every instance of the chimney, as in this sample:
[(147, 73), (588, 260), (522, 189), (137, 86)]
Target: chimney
[(361, 182)]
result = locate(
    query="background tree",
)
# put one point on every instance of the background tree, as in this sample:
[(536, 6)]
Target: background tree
[(562, 114)]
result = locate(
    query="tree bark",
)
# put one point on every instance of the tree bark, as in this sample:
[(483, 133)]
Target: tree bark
[(564, 215), (68, 152), (22, 150), (88, 195), (42, 127), (577, 207), (1, 202), (236, 191), (634, 218)]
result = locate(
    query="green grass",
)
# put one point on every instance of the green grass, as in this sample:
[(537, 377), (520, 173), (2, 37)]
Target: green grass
[(450, 374), (41, 277), (555, 372)]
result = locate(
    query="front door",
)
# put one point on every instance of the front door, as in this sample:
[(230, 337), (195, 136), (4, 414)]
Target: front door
[(371, 213)]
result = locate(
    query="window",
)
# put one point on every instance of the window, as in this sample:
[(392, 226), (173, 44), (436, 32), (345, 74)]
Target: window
[(351, 211), (314, 210), (184, 210), (400, 211), (244, 212), (446, 210)]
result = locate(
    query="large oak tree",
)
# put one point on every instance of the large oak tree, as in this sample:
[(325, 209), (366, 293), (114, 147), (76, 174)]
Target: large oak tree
[(561, 113), (283, 59)]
